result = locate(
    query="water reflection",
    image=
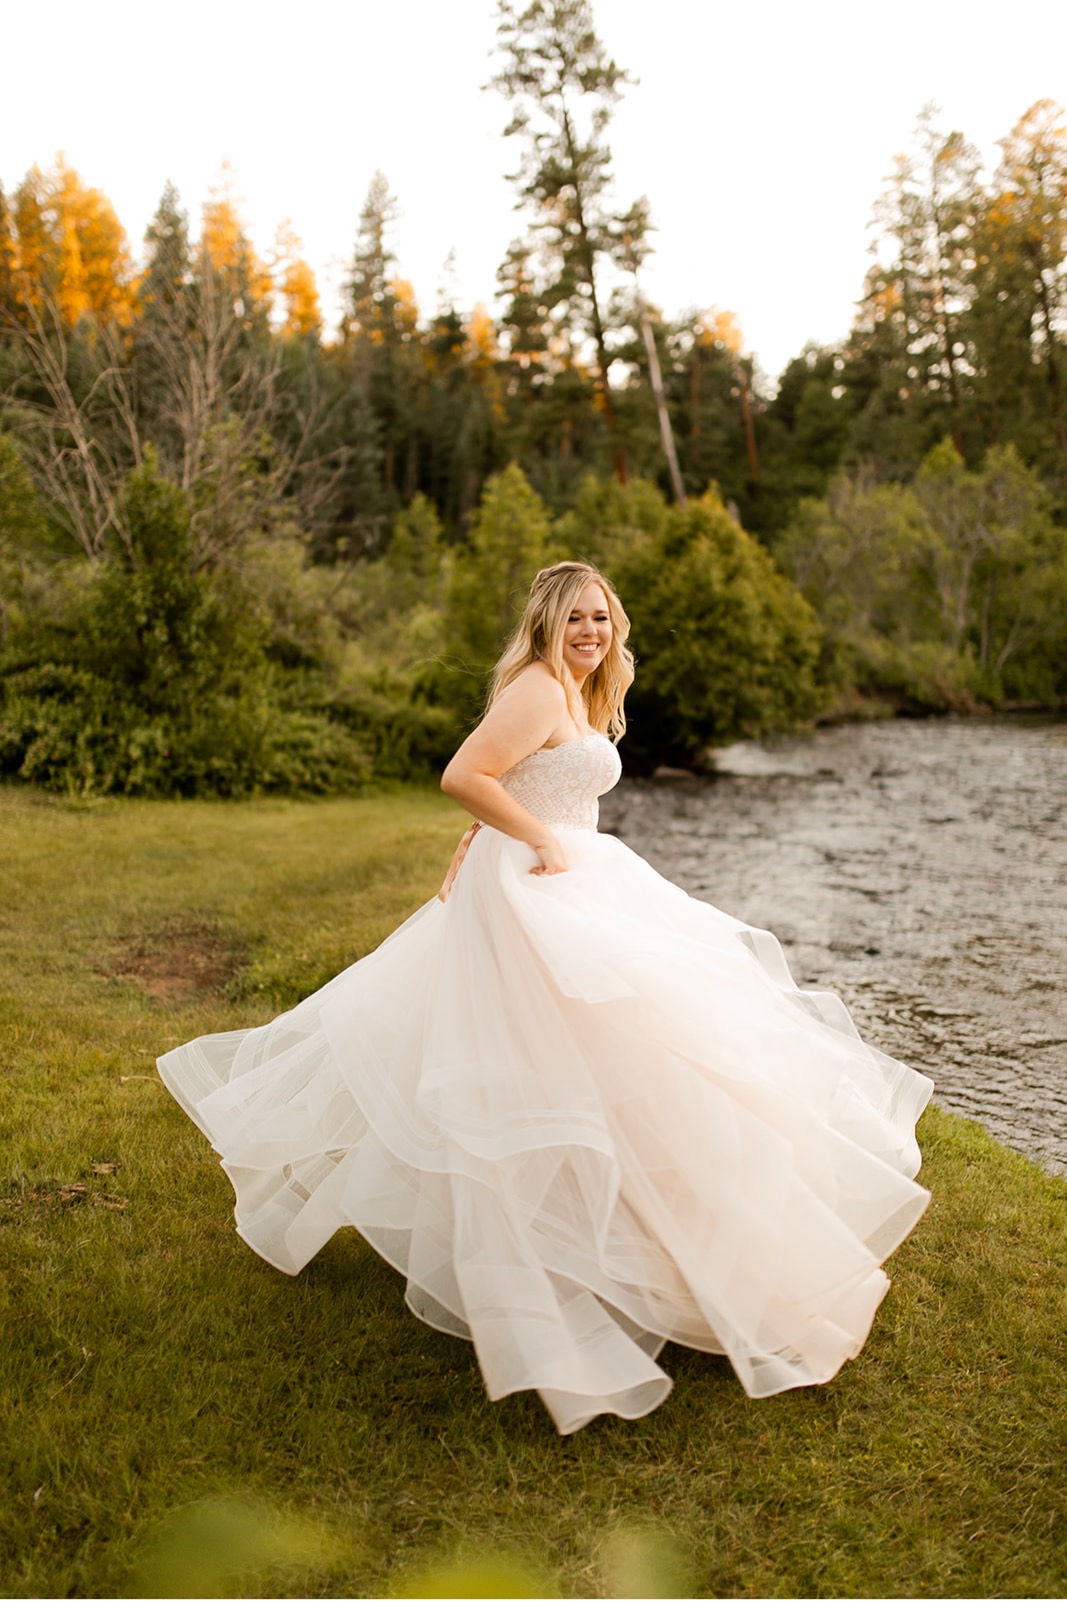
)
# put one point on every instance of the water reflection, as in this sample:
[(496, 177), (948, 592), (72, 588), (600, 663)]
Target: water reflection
[(918, 868)]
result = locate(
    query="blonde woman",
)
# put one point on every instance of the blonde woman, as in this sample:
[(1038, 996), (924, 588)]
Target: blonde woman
[(583, 1113)]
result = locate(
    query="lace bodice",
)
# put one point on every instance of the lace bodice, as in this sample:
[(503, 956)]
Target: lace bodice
[(562, 785)]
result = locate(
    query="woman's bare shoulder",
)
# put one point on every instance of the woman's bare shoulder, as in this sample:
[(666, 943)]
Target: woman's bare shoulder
[(523, 717), (537, 685)]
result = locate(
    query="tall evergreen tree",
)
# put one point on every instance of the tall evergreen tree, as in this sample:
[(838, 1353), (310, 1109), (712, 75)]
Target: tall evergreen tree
[(379, 327), (928, 211), (563, 87), (709, 388), (164, 322), (369, 299), (1031, 209), (168, 267), (527, 330), (906, 368), (805, 433), (554, 426)]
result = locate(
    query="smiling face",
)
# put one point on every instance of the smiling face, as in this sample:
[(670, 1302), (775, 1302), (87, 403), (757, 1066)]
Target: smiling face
[(587, 632)]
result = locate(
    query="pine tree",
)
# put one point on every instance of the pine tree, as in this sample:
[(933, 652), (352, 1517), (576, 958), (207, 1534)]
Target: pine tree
[(906, 366), (368, 299), (563, 88), (1030, 213), (168, 270), (164, 323), (380, 329)]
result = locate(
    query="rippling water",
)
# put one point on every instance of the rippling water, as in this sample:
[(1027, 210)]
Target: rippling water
[(918, 868)]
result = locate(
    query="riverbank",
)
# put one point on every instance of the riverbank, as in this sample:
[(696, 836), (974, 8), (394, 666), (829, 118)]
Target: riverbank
[(159, 1384)]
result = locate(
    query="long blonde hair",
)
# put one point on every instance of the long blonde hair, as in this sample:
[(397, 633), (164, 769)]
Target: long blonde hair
[(539, 638)]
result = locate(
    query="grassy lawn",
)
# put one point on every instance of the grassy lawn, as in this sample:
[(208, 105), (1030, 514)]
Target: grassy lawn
[(176, 1417)]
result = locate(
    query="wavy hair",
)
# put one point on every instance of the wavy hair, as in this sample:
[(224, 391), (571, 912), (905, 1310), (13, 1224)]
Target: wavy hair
[(539, 638)]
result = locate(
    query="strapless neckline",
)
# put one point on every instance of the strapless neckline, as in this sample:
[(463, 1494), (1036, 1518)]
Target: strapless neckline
[(547, 750)]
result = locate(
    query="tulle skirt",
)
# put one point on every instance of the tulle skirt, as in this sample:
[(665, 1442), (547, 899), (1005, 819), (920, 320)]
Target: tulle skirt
[(583, 1115)]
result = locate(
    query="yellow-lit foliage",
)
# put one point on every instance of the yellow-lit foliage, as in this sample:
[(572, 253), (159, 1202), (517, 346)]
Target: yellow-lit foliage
[(720, 328), (483, 356), (225, 244), (887, 301), (295, 283), (481, 339), (69, 245), (222, 235), (999, 242), (1024, 221), (406, 314), (1032, 181), (8, 261), (33, 245), (388, 318), (103, 257), (71, 295), (303, 314)]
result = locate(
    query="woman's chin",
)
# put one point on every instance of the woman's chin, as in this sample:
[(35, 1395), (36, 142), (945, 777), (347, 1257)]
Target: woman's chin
[(582, 666)]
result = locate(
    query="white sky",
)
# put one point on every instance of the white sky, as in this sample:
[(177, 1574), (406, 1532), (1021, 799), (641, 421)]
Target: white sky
[(761, 131)]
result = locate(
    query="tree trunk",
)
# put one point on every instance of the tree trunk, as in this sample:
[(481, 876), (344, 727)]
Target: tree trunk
[(665, 432), (586, 256), (750, 431)]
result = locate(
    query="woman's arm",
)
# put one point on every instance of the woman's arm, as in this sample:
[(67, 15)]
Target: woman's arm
[(526, 716)]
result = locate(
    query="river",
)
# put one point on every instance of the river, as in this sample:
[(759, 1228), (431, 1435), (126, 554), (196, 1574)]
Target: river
[(919, 869)]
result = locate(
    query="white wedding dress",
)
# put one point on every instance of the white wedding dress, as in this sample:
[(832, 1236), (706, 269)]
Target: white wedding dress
[(583, 1115)]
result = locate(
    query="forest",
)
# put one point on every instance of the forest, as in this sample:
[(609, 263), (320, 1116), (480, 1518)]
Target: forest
[(242, 550)]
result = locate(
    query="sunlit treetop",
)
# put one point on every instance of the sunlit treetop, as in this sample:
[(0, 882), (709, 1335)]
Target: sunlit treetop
[(69, 248)]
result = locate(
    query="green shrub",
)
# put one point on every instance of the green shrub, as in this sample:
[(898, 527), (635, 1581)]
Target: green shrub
[(160, 677), (61, 728), (726, 646), (942, 594), (486, 592), (64, 729), (609, 521), (916, 678), (404, 735), (165, 627)]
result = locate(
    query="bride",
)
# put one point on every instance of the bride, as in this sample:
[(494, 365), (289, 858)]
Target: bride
[(581, 1112)]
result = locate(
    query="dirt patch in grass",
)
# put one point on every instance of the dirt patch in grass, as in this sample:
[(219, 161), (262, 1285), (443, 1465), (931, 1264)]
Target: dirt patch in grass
[(177, 962)]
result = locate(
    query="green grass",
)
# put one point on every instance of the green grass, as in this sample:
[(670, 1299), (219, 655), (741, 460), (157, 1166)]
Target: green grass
[(170, 1407)]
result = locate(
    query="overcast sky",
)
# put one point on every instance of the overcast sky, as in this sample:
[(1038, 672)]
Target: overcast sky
[(761, 132)]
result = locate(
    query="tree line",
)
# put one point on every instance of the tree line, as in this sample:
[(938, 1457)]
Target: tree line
[(237, 549)]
